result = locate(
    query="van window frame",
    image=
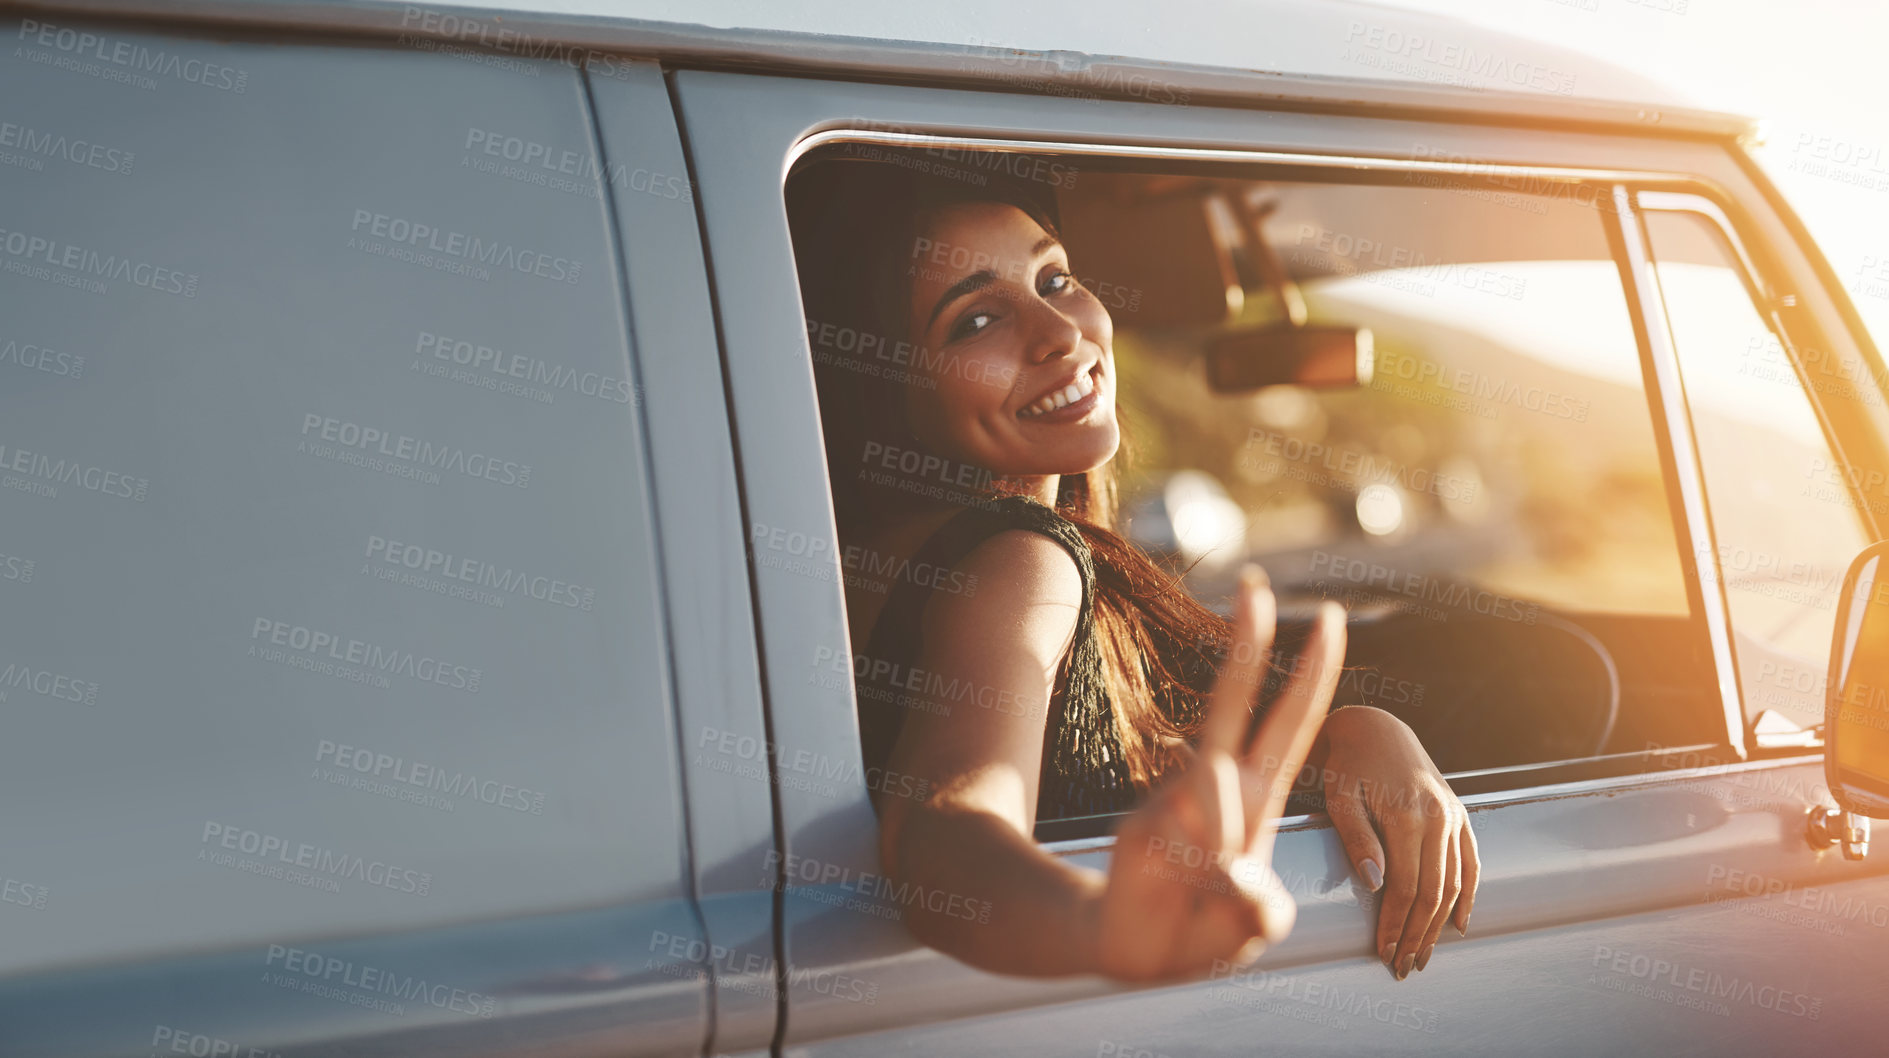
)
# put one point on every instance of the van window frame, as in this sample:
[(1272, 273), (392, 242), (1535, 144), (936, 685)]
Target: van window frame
[(1671, 424)]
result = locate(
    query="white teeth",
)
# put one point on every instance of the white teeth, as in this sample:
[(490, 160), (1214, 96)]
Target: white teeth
[(1075, 391)]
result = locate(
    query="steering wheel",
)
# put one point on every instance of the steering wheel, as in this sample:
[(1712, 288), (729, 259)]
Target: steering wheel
[(1607, 718), (1485, 692)]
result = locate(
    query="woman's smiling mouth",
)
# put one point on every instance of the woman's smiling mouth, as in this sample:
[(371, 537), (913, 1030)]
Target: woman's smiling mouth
[(1071, 403)]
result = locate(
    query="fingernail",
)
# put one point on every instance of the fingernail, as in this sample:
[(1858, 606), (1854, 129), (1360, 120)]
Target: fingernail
[(1424, 959), (1389, 953), (1373, 875), (1403, 966), (1462, 930), (1253, 576)]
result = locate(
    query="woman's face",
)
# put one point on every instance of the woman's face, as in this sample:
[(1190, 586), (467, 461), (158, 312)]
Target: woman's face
[(1018, 350)]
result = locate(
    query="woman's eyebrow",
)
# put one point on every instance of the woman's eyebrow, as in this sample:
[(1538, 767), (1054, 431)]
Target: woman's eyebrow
[(979, 279), (969, 284)]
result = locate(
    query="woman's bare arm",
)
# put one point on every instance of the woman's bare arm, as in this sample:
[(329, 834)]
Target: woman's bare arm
[(971, 837)]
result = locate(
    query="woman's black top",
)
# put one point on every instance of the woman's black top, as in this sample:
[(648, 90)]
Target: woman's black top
[(1083, 772)]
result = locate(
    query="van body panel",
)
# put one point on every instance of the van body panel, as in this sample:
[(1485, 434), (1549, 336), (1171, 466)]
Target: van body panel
[(331, 458), (1356, 55), (224, 255)]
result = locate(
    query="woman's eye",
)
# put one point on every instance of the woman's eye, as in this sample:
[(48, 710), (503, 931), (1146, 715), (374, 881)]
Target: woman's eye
[(1057, 283), (969, 325)]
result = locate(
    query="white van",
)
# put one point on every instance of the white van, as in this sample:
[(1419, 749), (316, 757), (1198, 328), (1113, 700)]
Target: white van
[(421, 631)]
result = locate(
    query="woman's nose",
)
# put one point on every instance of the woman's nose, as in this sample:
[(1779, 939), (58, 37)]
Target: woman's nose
[(1052, 334)]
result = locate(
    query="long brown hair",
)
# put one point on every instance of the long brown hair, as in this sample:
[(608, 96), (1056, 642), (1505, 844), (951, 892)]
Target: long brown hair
[(855, 224)]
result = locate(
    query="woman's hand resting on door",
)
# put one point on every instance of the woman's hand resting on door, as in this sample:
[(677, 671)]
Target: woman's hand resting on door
[(1385, 795)]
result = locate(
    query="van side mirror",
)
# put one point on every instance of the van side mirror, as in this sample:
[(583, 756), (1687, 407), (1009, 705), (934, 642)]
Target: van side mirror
[(1856, 701)]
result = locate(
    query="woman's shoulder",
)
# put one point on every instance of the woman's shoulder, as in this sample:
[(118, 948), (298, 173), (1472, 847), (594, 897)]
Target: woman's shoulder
[(1016, 589), (1030, 515), (1031, 533), (1027, 561)]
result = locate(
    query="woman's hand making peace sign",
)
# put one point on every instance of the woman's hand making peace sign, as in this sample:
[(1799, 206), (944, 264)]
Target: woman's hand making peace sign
[(1190, 881)]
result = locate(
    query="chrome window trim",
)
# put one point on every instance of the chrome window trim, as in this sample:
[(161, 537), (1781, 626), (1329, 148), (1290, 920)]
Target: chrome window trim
[(1616, 183), (1684, 202), (1521, 795), (1645, 778), (1228, 155), (1669, 388)]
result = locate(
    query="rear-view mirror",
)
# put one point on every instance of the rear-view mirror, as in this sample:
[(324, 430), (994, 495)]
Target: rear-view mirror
[(1320, 356)]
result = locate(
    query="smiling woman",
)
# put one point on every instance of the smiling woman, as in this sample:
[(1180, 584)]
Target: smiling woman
[(1065, 674)]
